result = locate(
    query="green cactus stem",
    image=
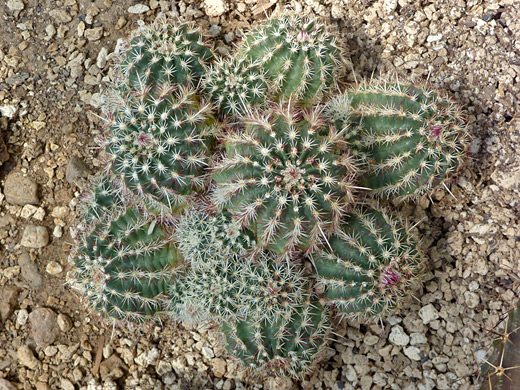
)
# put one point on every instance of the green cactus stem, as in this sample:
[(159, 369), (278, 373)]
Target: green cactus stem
[(287, 347), (413, 138), (370, 267), (299, 56), (285, 181)]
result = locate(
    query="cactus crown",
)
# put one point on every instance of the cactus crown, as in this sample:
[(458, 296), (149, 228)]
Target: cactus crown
[(413, 138), (371, 266), (236, 86), (299, 55), (281, 177), (162, 53)]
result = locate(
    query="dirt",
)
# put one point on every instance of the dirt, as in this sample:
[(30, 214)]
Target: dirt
[(51, 78)]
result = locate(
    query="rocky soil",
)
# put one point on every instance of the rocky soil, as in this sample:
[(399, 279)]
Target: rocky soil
[(54, 61)]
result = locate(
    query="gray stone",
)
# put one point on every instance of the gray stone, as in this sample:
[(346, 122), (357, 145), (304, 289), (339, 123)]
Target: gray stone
[(44, 328), (113, 367), (64, 322), (15, 5), (76, 169), (214, 30), (35, 237), (5, 385), (428, 313), (413, 353), (60, 15), (30, 271), (138, 9), (398, 336), (94, 34), (8, 297), (20, 190), (472, 299), (101, 59)]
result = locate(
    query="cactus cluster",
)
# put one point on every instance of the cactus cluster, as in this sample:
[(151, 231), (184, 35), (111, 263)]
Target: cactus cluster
[(235, 190)]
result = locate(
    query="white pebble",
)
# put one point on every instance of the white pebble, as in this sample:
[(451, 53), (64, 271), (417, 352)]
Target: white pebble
[(398, 336), (138, 9), (428, 313)]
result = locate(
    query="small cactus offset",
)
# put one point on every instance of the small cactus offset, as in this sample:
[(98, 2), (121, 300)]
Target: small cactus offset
[(124, 265), (412, 137), (299, 56), (370, 266), (285, 181), (233, 289), (287, 347), (236, 86), (158, 145), (162, 54), (502, 370)]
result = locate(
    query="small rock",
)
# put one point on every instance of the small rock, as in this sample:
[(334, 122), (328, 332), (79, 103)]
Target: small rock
[(15, 5), (371, 339), (60, 15), (26, 357), (113, 367), (54, 268), (94, 34), (35, 237), (76, 170), (8, 297), (60, 212), (413, 353), (101, 59), (27, 211), (138, 9), (398, 336), (43, 326), (418, 338), (64, 322), (22, 317), (215, 7), (389, 6), (207, 353), (57, 232), (20, 190), (66, 384), (472, 299), (214, 30), (5, 385), (30, 271), (428, 313), (219, 367), (8, 110)]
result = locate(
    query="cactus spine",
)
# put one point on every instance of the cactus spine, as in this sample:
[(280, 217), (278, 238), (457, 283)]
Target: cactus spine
[(502, 370), (412, 137), (370, 266), (280, 177)]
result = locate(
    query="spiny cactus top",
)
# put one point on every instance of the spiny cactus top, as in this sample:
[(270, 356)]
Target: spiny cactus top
[(289, 346), (412, 137), (284, 180), (234, 288), (370, 266), (162, 53), (236, 85), (124, 265), (205, 239), (158, 143), (299, 55)]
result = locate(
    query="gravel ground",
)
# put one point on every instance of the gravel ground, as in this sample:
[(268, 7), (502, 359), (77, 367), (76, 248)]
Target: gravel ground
[(54, 59)]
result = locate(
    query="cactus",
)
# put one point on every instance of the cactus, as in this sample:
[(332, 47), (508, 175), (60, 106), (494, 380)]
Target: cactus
[(162, 53), (206, 239), (413, 138), (124, 265), (289, 346), (231, 288), (157, 144), (299, 56), (96, 201), (236, 86), (279, 177), (370, 266), (502, 370)]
